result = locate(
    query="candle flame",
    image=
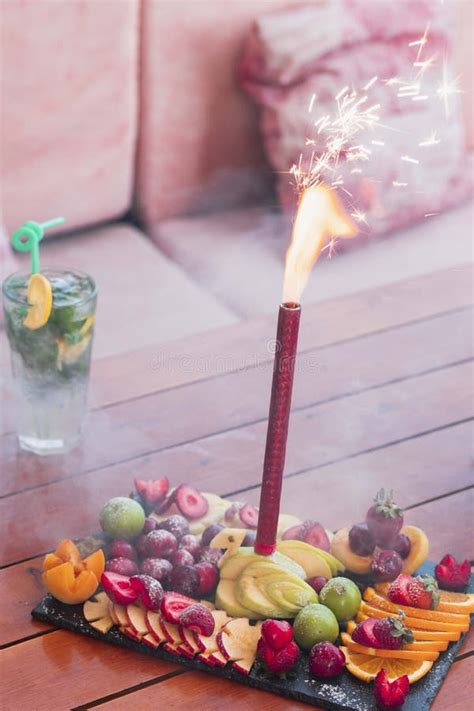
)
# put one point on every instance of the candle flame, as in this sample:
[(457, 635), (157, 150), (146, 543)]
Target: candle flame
[(319, 219)]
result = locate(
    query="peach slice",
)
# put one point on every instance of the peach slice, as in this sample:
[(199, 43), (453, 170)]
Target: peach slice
[(95, 562), (65, 586)]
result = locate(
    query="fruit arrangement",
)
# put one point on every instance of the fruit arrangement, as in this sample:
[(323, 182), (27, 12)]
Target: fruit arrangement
[(180, 572)]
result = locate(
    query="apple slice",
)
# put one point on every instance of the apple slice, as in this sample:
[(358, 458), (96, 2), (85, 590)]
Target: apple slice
[(154, 627), (244, 666), (103, 625), (120, 615), (171, 632), (136, 619), (189, 641), (238, 642), (131, 633), (218, 658), (209, 644), (229, 538), (206, 658), (150, 640), (172, 648), (112, 613), (96, 608)]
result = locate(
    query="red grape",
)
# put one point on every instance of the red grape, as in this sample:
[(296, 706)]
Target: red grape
[(122, 566), (161, 543), (361, 540), (158, 568), (386, 565)]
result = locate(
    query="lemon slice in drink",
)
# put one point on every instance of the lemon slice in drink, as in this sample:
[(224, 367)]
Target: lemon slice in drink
[(40, 300)]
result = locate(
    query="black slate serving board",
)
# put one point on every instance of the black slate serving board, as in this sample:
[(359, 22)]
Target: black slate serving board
[(344, 693)]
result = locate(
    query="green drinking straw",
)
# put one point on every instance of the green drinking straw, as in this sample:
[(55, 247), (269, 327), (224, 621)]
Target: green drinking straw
[(28, 237)]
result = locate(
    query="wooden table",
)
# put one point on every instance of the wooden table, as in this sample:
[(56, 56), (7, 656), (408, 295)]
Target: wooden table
[(382, 398)]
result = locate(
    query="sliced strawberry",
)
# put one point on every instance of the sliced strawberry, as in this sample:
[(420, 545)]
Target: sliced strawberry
[(398, 590), (232, 511), (148, 590), (364, 633), (315, 535), (152, 491), (190, 502), (118, 588), (295, 533), (173, 604), (452, 575), (390, 695), (198, 618), (249, 516), (164, 505)]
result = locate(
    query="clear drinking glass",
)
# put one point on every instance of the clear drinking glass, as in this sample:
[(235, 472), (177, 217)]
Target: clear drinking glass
[(50, 365)]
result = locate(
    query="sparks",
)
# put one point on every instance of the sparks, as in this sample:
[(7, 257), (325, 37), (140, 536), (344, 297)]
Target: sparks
[(397, 184), (378, 143), (431, 140), (370, 84), (447, 88), (311, 103), (430, 214), (423, 66), (408, 159), (420, 43), (359, 216)]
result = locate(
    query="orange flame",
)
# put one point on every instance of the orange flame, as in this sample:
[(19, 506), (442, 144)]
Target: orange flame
[(320, 217)]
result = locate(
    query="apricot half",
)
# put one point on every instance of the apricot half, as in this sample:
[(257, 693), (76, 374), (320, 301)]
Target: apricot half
[(65, 586)]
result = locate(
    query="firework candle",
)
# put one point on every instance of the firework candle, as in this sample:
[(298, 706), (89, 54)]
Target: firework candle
[(277, 433), (320, 218)]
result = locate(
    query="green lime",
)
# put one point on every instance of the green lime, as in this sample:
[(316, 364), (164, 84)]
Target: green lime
[(342, 596), (122, 518), (315, 623)]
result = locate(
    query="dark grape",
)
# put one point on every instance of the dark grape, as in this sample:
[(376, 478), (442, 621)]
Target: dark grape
[(158, 568), (182, 557), (149, 525), (161, 544), (361, 540), (386, 565), (317, 582), (250, 538), (209, 555), (190, 543), (210, 532), (122, 566), (402, 545), (120, 548), (185, 580), (177, 525)]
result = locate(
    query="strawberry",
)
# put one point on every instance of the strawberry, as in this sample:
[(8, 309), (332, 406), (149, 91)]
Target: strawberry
[(190, 502), (421, 591), (277, 633), (391, 633), (384, 519), (198, 618), (390, 695), (452, 575), (152, 491), (281, 660), (364, 633)]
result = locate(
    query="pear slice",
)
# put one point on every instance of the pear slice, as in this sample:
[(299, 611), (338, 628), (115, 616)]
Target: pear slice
[(307, 556), (250, 595), (226, 599), (235, 564)]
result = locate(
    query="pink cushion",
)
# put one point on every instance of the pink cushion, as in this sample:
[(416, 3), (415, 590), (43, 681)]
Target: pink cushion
[(68, 102), (319, 49), (199, 143)]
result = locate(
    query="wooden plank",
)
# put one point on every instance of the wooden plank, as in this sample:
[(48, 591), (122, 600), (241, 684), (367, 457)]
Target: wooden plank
[(61, 670), (166, 419), (456, 691), (351, 316), (208, 692), (423, 468), (209, 354), (433, 463), (21, 588), (319, 435), (200, 690)]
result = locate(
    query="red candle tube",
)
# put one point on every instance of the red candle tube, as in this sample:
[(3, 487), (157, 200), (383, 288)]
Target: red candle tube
[(277, 433)]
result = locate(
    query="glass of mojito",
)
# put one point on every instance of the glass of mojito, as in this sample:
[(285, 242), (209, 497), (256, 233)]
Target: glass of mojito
[(50, 364)]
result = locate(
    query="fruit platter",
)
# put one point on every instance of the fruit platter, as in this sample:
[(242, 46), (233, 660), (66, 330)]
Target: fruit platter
[(353, 620)]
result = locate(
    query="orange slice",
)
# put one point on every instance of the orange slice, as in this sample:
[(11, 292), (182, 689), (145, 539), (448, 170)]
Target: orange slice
[(417, 622), (366, 668), (459, 603), (430, 645), (40, 300), (382, 603), (434, 635), (389, 653), (419, 548)]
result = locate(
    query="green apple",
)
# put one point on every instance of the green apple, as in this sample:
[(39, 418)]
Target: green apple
[(315, 623), (342, 596), (122, 517), (307, 556)]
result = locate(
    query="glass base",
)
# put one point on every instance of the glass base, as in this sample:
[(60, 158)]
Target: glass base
[(44, 447)]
